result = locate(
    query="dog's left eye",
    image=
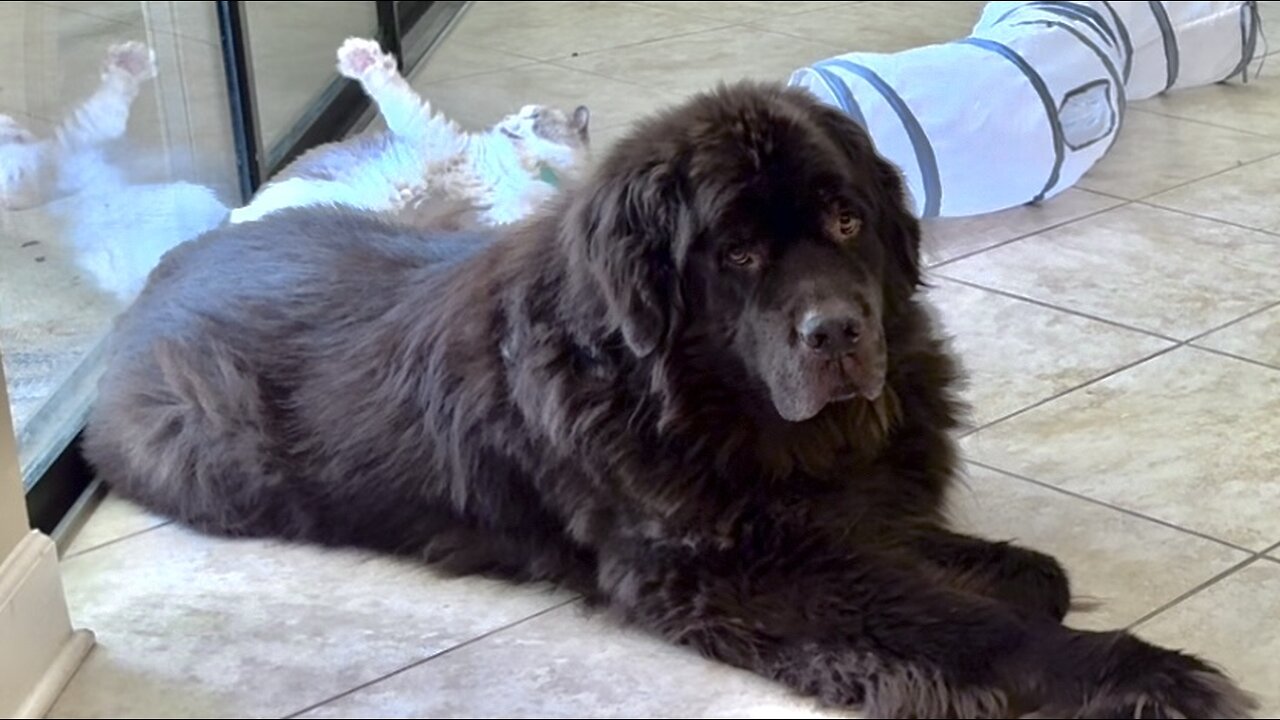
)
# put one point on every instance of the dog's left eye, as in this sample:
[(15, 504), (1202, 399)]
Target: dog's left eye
[(741, 256), (847, 226)]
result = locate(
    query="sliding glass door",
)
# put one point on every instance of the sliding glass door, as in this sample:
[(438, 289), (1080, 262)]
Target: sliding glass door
[(280, 60), (141, 124)]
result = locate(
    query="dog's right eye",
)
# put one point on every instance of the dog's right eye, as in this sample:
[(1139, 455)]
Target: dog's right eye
[(741, 256)]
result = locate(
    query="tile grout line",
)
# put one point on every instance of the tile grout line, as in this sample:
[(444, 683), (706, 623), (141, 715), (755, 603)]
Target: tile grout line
[(1224, 326), (1195, 590), (1058, 395), (716, 24), (1033, 233), (1214, 174), (629, 83), (1171, 188), (87, 14), (1069, 311), (561, 61), (1188, 342), (430, 657), (1144, 200), (763, 18), (1149, 202), (555, 61), (628, 46), (425, 87), (1103, 193), (1233, 356), (107, 543), (1123, 510), (1178, 345), (420, 85), (1194, 121)]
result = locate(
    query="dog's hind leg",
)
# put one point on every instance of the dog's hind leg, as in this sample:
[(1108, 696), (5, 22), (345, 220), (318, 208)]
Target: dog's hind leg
[(185, 431)]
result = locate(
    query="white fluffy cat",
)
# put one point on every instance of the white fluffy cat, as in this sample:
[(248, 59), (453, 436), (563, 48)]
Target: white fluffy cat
[(507, 170), (116, 230)]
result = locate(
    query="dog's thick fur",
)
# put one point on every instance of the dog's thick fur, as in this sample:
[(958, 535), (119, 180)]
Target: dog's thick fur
[(598, 398)]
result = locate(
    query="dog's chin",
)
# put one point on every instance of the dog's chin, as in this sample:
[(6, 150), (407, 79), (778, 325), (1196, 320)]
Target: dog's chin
[(797, 402), (801, 385)]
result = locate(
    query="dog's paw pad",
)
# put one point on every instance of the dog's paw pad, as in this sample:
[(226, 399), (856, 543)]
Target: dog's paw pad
[(133, 60), (359, 57)]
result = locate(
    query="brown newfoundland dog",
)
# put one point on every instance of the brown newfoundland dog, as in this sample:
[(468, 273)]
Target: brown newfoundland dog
[(700, 389)]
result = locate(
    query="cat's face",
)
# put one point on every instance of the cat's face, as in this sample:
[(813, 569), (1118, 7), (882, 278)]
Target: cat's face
[(544, 134)]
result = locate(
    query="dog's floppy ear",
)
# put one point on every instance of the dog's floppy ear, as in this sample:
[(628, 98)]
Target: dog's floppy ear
[(895, 223), (624, 227)]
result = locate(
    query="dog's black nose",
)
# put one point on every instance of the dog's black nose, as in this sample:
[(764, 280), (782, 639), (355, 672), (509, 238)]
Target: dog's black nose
[(833, 334)]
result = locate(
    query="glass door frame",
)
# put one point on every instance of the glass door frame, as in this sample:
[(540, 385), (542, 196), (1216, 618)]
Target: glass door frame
[(342, 107)]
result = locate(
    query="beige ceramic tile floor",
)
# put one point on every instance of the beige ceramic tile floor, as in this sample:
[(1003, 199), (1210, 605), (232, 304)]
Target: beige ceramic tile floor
[(1124, 343)]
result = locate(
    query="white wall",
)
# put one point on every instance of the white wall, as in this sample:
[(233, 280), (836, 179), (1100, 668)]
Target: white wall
[(13, 506)]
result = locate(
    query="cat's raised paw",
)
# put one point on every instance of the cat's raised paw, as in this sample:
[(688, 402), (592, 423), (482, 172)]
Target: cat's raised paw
[(131, 60), (13, 133), (359, 57)]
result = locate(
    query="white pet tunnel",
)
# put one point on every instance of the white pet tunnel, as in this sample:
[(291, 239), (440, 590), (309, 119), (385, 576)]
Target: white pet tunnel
[(1020, 109)]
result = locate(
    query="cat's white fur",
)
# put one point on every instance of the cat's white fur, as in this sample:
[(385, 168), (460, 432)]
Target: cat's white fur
[(116, 230), (424, 155)]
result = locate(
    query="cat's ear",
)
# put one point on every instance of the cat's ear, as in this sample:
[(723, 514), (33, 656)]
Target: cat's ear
[(581, 119)]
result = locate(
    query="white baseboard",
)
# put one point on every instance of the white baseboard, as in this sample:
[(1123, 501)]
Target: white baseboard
[(39, 650)]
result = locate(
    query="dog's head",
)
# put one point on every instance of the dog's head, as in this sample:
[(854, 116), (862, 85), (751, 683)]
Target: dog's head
[(756, 228)]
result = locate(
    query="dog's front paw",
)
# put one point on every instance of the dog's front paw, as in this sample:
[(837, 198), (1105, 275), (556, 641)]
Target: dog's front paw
[(1194, 691), (131, 61), (359, 58), (1140, 680), (1034, 582)]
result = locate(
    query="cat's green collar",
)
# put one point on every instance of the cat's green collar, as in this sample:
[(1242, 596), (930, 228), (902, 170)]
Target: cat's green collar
[(547, 175)]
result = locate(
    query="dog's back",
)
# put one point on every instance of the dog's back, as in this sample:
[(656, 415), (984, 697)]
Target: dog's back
[(236, 336)]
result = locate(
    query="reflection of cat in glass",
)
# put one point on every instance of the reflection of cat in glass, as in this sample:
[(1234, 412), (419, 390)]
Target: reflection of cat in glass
[(34, 171), (505, 171), (115, 228)]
